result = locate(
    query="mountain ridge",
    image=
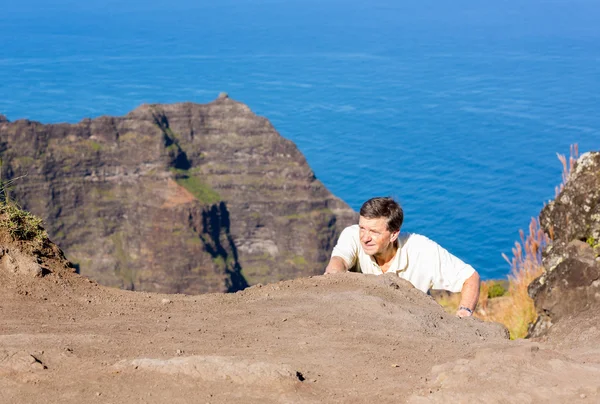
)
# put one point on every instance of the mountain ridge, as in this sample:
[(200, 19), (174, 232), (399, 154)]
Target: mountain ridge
[(183, 197)]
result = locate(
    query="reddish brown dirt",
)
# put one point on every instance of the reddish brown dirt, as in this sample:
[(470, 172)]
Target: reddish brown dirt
[(340, 338)]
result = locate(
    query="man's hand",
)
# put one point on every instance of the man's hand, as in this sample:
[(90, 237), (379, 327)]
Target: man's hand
[(469, 296), (336, 265)]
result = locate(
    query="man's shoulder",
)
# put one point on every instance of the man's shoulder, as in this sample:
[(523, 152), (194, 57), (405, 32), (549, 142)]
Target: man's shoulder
[(416, 241), (349, 235), (352, 229)]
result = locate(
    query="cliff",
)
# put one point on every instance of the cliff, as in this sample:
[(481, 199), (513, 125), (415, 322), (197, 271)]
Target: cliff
[(570, 285), (174, 198)]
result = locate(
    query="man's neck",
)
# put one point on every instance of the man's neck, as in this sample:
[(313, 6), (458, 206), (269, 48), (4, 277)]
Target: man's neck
[(387, 256)]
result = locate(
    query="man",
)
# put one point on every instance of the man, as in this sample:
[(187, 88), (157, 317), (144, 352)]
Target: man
[(376, 246)]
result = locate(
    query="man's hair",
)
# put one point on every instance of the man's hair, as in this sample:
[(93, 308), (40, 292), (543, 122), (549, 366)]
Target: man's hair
[(385, 207)]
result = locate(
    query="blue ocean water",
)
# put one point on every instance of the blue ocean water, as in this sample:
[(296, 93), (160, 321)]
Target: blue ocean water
[(455, 108)]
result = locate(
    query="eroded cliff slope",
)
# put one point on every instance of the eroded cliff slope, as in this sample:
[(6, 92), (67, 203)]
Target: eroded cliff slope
[(175, 198)]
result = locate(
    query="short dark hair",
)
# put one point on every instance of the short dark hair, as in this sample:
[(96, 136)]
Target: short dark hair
[(384, 207)]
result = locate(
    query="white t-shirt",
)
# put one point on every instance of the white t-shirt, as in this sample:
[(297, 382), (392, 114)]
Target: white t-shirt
[(419, 260)]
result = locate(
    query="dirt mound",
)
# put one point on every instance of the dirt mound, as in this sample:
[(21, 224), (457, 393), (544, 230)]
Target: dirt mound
[(522, 373), (338, 338), (27, 255)]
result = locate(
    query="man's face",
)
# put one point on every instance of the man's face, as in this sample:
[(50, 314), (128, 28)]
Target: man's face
[(375, 237)]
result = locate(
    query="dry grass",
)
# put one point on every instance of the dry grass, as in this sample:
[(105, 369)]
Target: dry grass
[(567, 168), (486, 304), (526, 265), (516, 309)]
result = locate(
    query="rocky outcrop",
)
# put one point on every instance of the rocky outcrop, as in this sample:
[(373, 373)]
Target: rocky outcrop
[(571, 281), (175, 198), (26, 252)]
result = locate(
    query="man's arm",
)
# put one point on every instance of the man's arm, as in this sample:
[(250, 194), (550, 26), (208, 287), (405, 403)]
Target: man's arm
[(347, 247), (469, 295), (336, 265)]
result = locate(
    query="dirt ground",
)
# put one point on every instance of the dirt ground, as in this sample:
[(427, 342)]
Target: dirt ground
[(346, 338)]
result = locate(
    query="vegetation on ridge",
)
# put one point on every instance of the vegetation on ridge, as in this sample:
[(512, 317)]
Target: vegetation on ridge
[(20, 224)]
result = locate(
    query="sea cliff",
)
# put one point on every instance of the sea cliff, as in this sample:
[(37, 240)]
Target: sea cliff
[(174, 198)]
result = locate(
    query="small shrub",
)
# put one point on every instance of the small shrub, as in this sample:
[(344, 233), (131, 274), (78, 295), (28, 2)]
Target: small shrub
[(21, 225), (495, 290)]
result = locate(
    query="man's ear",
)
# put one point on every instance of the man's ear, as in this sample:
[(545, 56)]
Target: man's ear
[(394, 236)]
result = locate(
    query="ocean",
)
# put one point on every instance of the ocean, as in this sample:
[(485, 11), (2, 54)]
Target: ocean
[(455, 108)]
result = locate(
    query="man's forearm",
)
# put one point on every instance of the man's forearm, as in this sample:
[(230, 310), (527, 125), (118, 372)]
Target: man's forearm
[(469, 294), (336, 265)]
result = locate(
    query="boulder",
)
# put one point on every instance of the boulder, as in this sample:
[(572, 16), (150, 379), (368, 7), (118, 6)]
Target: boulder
[(571, 281)]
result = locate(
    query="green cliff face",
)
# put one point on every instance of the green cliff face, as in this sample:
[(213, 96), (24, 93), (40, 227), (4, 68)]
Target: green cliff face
[(175, 198)]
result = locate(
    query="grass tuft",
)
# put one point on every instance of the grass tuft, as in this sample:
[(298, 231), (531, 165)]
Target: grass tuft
[(21, 225), (567, 167), (526, 265)]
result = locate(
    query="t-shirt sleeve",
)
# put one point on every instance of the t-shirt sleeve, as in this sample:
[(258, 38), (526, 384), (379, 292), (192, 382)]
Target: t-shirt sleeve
[(347, 246), (451, 272)]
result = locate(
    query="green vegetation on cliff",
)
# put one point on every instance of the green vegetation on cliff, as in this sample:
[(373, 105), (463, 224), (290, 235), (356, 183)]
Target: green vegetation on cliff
[(203, 192)]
